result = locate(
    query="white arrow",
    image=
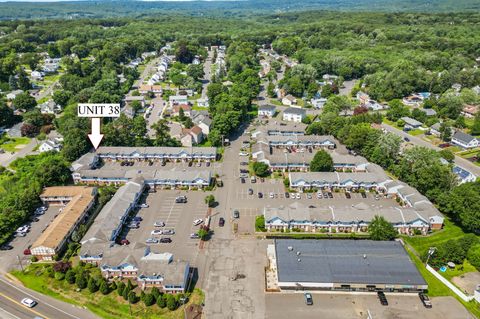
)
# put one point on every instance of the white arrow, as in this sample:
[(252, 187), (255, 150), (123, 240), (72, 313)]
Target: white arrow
[(95, 137)]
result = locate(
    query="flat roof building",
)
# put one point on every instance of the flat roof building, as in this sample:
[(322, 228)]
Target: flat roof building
[(351, 265)]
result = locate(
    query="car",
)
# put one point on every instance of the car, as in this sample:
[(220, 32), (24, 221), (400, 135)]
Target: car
[(308, 298), (292, 195), (363, 195), (330, 195), (347, 195), (243, 154), (6, 247), (298, 196), (156, 232), (27, 252), (150, 163), (425, 300), (35, 219), (262, 180), (236, 214), (325, 194), (133, 225), (253, 179), (190, 164), (143, 206), (242, 180), (20, 234), (194, 236), (243, 163), (260, 195), (208, 164), (271, 195), (221, 222), (383, 298), (164, 163), (181, 199), (30, 303), (124, 242), (165, 240), (287, 195), (39, 212), (250, 191), (319, 195), (22, 229), (159, 224), (199, 164), (151, 241), (243, 171), (197, 222), (309, 196), (377, 197), (243, 175), (406, 139), (137, 219)]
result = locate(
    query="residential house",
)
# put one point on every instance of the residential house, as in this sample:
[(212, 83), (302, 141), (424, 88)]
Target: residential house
[(145, 89), (77, 202), (435, 129), (37, 75), (266, 111), (12, 95), (413, 100), (177, 99), (289, 100), (203, 102), (457, 87), (194, 136), (463, 175), (130, 99), (476, 89), (294, 114), (374, 105), (50, 107), (50, 145), (470, 110), (187, 110), (362, 97), (318, 103), (464, 140), (411, 123), (202, 120), (429, 112)]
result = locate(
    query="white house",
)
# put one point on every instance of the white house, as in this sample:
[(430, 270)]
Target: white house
[(294, 114), (463, 175), (49, 145), (50, 107), (266, 111), (12, 95), (203, 102), (289, 100), (411, 123), (37, 75), (464, 140), (318, 103)]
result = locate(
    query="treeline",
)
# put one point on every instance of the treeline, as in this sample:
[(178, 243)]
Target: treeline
[(419, 167)]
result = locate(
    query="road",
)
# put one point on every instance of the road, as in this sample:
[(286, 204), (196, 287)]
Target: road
[(149, 68), (207, 69), (418, 141), (47, 308), (158, 107), (7, 158)]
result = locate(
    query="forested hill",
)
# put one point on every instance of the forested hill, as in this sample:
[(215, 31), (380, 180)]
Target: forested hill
[(107, 8)]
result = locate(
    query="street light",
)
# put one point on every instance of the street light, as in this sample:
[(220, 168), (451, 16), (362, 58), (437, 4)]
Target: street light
[(431, 251)]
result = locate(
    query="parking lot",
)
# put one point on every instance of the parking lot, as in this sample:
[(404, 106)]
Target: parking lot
[(348, 305), (176, 216), (19, 244)]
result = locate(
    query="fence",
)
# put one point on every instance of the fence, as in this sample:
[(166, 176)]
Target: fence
[(452, 287)]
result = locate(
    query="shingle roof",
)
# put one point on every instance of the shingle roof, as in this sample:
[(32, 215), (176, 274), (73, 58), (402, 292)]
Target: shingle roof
[(295, 110), (463, 137)]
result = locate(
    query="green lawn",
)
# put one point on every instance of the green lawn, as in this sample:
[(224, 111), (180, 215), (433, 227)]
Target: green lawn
[(458, 270), (416, 132), (10, 144), (276, 102), (110, 306)]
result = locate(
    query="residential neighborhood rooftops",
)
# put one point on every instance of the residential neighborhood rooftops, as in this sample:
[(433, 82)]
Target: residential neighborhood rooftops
[(463, 137), (267, 108), (295, 110), (345, 261), (145, 151), (411, 122)]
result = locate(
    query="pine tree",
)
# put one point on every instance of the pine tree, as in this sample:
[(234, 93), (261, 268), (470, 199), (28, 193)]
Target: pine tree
[(149, 300), (155, 292), (132, 297), (92, 285), (12, 82), (171, 303), (120, 288), (70, 276), (125, 293), (104, 287), (161, 301), (80, 280)]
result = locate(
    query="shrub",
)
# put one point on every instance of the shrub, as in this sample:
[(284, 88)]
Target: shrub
[(149, 300), (171, 303), (132, 297), (161, 301), (70, 276), (125, 293), (120, 288), (92, 285), (33, 259), (155, 292), (260, 223), (80, 280), (473, 256), (59, 276), (50, 272), (104, 287), (62, 266)]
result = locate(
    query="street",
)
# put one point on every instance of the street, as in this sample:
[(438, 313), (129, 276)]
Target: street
[(418, 141)]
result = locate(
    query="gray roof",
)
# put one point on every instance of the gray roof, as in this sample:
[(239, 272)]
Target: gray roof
[(339, 177), (345, 262), (145, 151), (411, 122), (463, 137), (267, 108), (295, 110)]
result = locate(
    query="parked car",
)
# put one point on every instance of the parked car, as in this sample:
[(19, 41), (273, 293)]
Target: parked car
[(181, 199), (190, 164), (156, 232), (330, 195), (347, 195), (197, 222), (298, 196), (208, 164), (221, 222), (30, 303), (308, 298), (27, 252), (168, 232), (253, 179), (143, 206), (287, 195), (35, 219), (151, 241), (319, 195), (20, 234), (6, 247), (242, 180), (244, 163), (165, 240), (250, 191), (137, 219), (363, 195), (243, 154), (124, 242), (425, 300), (406, 139), (134, 225), (236, 214), (194, 236), (159, 224), (271, 195), (309, 196), (260, 195)]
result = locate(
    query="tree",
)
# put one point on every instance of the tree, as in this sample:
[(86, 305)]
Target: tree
[(29, 130), (445, 132), (132, 297), (171, 302), (161, 302), (70, 276), (81, 280), (7, 118), (476, 125), (271, 90), (447, 155), (104, 289), (321, 162), (12, 82), (381, 229), (23, 81), (62, 266), (261, 169), (92, 285), (149, 299), (203, 232), (61, 97), (195, 71), (162, 134), (24, 101), (473, 255), (155, 292), (120, 288), (210, 200)]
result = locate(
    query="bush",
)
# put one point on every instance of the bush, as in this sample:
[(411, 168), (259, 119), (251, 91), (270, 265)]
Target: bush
[(473, 256), (132, 297), (155, 292), (261, 169), (260, 223), (70, 276), (149, 300), (59, 276), (62, 266), (104, 287), (80, 280), (126, 293), (161, 301), (92, 285), (120, 288), (50, 272), (171, 303), (33, 259)]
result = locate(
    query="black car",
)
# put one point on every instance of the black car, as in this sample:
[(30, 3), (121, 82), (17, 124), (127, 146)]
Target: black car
[(137, 219), (330, 195), (190, 164), (347, 195), (165, 240), (6, 247), (181, 199), (242, 180), (383, 298), (221, 222), (250, 191), (364, 195), (287, 195), (260, 195)]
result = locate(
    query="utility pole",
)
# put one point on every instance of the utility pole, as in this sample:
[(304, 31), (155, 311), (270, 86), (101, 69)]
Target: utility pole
[(431, 250), (20, 263)]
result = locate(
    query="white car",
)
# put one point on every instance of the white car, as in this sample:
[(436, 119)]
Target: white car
[(243, 154), (271, 195), (28, 302), (197, 222), (297, 196), (194, 236), (143, 206), (292, 195), (159, 224), (156, 232)]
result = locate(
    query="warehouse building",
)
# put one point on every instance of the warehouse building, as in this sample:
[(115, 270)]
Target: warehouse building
[(344, 265)]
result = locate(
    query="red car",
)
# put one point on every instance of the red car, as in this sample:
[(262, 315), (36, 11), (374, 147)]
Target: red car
[(27, 252)]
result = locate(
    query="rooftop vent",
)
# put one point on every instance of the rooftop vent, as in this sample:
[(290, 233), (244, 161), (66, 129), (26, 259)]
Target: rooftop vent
[(290, 248), (364, 256), (298, 253), (299, 260)]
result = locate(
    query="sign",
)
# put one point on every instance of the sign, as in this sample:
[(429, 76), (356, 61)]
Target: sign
[(98, 110)]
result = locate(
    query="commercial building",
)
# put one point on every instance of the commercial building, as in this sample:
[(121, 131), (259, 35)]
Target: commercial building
[(344, 265), (77, 202)]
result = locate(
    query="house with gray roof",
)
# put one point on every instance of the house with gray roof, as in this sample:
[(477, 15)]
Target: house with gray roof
[(294, 114), (464, 140), (411, 123), (267, 111)]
